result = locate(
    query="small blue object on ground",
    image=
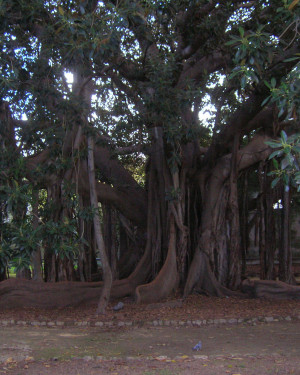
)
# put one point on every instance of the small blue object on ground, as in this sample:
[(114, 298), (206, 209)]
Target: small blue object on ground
[(119, 306), (198, 346)]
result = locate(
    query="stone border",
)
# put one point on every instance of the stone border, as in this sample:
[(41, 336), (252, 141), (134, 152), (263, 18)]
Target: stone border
[(161, 358), (165, 358), (154, 323)]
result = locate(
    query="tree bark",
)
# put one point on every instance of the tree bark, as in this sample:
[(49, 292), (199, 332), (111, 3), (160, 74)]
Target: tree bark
[(37, 274), (215, 199), (234, 272), (262, 222), (271, 289), (110, 238), (270, 236), (285, 254), (167, 279), (107, 275)]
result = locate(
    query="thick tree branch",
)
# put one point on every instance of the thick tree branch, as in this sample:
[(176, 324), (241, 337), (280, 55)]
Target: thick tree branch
[(194, 71), (190, 43), (128, 91), (123, 200), (131, 149)]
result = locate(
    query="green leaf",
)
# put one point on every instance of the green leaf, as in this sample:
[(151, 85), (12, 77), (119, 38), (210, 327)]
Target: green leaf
[(275, 153), (273, 82), (243, 82), (293, 138), (275, 163), (283, 136), (231, 42), (275, 182), (286, 179), (273, 144), (291, 59), (272, 173), (265, 101), (267, 84), (285, 162)]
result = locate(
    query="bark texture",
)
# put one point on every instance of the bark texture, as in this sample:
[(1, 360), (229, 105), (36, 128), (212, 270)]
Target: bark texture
[(271, 289), (107, 274), (167, 280)]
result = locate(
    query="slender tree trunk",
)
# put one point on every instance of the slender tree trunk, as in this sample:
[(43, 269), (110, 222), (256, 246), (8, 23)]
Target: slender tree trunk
[(81, 255), (285, 255), (262, 223), (271, 240), (110, 238), (234, 272), (244, 225), (107, 275), (36, 258), (157, 187)]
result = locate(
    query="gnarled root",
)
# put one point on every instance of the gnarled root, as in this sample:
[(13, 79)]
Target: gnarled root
[(201, 278), (167, 279), (270, 289)]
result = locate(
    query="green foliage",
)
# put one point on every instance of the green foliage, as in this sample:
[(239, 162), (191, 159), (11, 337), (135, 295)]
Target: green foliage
[(287, 149), (254, 49), (61, 238), (286, 95)]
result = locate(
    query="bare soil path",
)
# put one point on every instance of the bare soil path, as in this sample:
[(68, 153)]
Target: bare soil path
[(261, 349)]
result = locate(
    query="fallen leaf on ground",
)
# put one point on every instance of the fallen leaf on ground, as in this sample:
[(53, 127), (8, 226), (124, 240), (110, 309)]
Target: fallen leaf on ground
[(9, 360), (161, 358)]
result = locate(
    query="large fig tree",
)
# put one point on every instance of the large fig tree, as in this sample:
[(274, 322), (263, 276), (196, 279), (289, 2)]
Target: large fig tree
[(170, 101)]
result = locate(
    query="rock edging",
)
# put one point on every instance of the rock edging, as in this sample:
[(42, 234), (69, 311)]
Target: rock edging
[(154, 323)]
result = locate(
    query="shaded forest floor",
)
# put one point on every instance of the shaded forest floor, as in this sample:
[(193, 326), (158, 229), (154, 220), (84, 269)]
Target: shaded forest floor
[(195, 307)]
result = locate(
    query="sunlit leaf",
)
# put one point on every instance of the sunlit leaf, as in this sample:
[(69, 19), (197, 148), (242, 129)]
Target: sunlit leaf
[(61, 10), (293, 4)]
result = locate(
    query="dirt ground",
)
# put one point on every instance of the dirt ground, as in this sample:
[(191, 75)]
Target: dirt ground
[(234, 349), (261, 349)]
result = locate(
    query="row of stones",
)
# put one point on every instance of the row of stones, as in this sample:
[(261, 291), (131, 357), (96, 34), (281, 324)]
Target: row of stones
[(163, 358), (168, 359), (255, 320)]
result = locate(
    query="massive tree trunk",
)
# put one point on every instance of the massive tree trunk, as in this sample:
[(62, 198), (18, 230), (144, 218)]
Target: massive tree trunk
[(213, 245)]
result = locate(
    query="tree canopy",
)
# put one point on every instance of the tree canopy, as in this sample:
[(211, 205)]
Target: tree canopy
[(144, 117)]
